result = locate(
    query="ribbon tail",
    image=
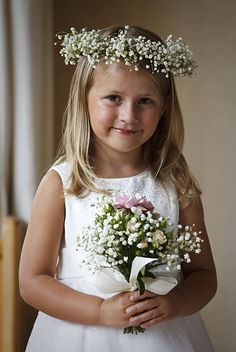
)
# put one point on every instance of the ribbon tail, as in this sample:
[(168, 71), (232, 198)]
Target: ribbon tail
[(137, 265), (109, 281), (160, 285)]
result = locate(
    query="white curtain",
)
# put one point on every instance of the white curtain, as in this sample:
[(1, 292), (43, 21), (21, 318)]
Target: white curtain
[(26, 101)]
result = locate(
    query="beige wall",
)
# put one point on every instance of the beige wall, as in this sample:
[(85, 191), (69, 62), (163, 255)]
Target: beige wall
[(208, 105)]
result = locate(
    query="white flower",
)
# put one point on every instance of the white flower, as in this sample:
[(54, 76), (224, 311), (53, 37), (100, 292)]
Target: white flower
[(100, 250), (131, 224), (142, 244), (171, 56), (187, 236), (136, 210), (159, 236)]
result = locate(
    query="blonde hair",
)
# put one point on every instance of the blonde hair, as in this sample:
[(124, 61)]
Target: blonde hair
[(162, 152)]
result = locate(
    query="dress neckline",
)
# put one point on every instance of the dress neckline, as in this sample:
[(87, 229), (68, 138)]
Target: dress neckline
[(143, 173)]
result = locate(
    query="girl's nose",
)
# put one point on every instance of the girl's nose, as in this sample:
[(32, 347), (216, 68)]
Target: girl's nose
[(129, 113)]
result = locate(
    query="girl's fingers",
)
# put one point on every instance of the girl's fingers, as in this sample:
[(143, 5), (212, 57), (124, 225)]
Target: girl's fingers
[(157, 320), (141, 307), (147, 318), (145, 304), (135, 296)]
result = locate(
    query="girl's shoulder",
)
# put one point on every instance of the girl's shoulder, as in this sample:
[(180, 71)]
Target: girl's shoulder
[(64, 170)]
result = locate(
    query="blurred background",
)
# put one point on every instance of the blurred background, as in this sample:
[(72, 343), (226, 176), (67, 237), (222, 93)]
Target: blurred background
[(34, 85)]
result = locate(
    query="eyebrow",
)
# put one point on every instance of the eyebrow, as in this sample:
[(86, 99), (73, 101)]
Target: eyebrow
[(113, 91), (116, 92)]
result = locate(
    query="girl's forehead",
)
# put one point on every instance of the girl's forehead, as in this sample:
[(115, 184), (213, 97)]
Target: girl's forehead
[(122, 75), (118, 69)]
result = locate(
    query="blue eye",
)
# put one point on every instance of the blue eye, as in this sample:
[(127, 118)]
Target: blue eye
[(113, 98), (145, 101)]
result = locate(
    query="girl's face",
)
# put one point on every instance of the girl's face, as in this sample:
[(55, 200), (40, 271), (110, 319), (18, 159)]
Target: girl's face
[(124, 108)]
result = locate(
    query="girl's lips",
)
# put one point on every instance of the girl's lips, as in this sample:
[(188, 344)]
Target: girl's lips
[(125, 130)]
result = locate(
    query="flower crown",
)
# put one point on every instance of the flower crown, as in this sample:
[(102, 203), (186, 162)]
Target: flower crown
[(169, 57)]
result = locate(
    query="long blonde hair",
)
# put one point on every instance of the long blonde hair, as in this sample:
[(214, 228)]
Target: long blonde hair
[(162, 152)]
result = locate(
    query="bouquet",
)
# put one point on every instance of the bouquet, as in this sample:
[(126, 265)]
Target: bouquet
[(129, 241)]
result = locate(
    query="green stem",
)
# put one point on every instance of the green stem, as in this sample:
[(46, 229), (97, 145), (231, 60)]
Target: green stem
[(133, 330)]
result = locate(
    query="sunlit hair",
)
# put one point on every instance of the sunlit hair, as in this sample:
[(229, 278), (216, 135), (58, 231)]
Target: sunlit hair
[(162, 152)]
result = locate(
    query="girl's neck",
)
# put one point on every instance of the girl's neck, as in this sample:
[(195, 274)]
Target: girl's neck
[(117, 172), (116, 166)]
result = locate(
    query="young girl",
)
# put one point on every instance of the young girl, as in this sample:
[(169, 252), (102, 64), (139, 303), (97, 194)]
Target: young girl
[(124, 131)]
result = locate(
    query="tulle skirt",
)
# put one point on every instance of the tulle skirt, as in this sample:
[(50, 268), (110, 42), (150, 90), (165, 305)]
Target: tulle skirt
[(183, 334)]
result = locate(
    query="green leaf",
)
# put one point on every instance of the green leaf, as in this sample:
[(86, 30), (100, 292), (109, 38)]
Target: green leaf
[(141, 286), (169, 235), (142, 271), (149, 274)]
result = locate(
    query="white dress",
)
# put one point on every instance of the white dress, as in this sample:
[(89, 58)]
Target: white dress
[(183, 334)]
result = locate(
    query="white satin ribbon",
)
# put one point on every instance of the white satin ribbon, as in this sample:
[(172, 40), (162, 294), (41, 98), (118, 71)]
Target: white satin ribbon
[(111, 281)]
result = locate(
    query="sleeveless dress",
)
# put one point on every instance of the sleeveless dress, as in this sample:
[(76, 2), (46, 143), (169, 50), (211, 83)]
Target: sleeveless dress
[(183, 334)]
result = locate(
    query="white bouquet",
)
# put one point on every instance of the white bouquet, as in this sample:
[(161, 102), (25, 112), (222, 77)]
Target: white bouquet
[(129, 240)]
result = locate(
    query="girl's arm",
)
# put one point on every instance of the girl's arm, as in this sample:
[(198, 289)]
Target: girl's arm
[(38, 263), (197, 289), (200, 281)]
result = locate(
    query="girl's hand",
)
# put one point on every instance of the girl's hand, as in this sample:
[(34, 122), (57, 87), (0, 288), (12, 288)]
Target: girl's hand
[(150, 308), (113, 310)]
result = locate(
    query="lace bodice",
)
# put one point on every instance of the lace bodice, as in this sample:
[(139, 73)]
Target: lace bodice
[(80, 213)]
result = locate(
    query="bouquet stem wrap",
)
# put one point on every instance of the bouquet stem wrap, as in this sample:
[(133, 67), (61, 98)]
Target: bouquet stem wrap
[(111, 281)]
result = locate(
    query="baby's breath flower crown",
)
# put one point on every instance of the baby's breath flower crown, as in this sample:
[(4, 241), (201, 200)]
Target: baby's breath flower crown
[(171, 57)]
